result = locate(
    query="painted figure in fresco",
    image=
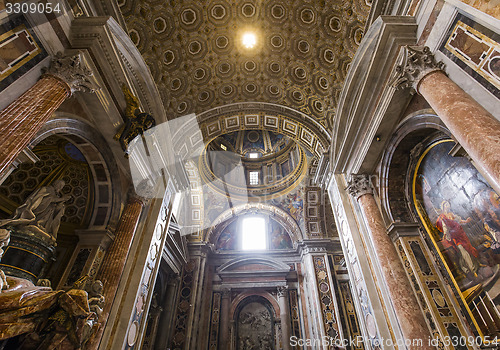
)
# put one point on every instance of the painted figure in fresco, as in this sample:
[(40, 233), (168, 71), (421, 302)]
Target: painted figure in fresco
[(455, 237), (494, 232), (226, 241), (42, 211), (214, 206), (294, 205), (279, 238), (486, 206)]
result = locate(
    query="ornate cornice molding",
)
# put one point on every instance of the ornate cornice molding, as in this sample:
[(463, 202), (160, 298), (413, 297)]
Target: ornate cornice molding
[(73, 72), (359, 185), (418, 62)]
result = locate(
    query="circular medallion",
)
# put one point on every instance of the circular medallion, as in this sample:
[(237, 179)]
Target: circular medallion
[(133, 333)]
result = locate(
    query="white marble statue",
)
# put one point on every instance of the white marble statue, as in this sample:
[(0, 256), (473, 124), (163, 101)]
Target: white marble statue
[(41, 212)]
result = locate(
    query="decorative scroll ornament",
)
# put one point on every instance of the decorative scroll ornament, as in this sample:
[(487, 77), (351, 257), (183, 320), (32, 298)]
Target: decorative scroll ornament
[(226, 292), (359, 185), (417, 63), (136, 122), (72, 71), (282, 290)]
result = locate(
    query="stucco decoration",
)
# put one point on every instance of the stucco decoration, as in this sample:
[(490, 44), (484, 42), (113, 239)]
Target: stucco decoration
[(194, 52)]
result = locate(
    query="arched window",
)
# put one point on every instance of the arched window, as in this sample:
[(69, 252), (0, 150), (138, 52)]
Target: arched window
[(253, 233)]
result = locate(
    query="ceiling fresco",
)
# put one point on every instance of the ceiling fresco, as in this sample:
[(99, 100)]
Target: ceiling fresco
[(195, 55)]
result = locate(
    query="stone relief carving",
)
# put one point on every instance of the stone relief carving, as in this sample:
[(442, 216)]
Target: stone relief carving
[(72, 71), (417, 63), (255, 327)]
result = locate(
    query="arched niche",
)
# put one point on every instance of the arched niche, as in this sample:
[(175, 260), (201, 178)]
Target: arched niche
[(428, 179), (396, 161), (277, 214), (460, 216), (69, 149), (255, 324), (102, 164), (228, 237)]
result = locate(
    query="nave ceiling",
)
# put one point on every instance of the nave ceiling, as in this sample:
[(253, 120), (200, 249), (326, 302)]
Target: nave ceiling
[(194, 52)]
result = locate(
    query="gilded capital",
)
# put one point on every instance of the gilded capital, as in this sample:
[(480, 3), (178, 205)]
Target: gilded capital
[(418, 62), (72, 71), (359, 185)]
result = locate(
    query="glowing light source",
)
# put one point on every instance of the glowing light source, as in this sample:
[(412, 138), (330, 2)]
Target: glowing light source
[(254, 178), (254, 233), (249, 40)]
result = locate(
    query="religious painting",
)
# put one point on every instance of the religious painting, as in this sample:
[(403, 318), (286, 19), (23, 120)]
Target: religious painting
[(228, 238), (293, 204), (461, 213), (279, 238), (215, 205)]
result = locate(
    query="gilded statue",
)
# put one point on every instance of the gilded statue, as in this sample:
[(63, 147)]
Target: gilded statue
[(42, 211), (135, 121)]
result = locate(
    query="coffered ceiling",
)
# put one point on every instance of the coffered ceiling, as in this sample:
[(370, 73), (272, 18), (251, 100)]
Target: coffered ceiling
[(195, 54)]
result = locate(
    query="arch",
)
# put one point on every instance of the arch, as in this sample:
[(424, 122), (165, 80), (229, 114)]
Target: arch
[(396, 160), (95, 148), (275, 265), (245, 297), (278, 214), (251, 116)]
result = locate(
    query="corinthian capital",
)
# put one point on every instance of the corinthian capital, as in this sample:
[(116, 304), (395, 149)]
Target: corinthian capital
[(417, 63), (72, 71), (282, 290), (359, 185), (226, 293)]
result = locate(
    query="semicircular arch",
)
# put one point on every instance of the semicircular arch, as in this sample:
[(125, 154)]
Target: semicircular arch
[(250, 116), (277, 214), (95, 148)]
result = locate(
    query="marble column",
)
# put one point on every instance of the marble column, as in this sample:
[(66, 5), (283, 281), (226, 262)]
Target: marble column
[(114, 260), (224, 340), (284, 316), (477, 131), (23, 118), (410, 317)]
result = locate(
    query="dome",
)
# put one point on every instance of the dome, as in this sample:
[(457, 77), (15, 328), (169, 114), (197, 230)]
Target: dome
[(253, 163)]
